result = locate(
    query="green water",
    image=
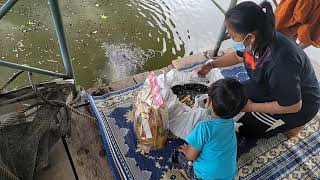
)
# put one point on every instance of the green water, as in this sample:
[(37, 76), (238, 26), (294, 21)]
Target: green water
[(108, 39)]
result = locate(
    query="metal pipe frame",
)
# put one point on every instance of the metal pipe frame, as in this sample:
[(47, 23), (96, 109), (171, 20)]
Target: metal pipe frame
[(222, 33), (58, 25), (219, 7), (6, 7), (32, 69)]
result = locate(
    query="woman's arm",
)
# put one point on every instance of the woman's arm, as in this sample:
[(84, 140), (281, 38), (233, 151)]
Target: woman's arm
[(272, 107), (228, 59)]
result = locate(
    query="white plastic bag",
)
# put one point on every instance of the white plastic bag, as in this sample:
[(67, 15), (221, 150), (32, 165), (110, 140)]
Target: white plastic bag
[(183, 118)]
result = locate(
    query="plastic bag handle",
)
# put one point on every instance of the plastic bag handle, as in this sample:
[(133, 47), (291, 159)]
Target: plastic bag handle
[(165, 80)]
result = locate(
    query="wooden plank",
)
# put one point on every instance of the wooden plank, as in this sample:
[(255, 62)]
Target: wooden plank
[(138, 78), (86, 145), (189, 60), (121, 84), (87, 150), (59, 165), (316, 67), (159, 71), (171, 66), (196, 58), (209, 53)]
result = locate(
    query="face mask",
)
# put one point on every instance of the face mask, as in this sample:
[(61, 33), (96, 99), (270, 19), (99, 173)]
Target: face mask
[(239, 46)]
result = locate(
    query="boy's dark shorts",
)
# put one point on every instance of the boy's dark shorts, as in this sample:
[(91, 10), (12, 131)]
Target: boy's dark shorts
[(180, 162)]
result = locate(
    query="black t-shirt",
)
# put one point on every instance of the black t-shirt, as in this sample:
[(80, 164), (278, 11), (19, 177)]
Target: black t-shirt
[(286, 73)]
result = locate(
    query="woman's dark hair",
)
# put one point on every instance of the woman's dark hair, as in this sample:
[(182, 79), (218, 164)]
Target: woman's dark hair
[(248, 17), (228, 97)]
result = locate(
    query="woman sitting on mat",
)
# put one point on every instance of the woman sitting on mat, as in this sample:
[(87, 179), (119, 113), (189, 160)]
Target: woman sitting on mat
[(283, 89)]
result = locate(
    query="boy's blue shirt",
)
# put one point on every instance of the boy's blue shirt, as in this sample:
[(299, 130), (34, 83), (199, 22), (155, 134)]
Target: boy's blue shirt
[(216, 141)]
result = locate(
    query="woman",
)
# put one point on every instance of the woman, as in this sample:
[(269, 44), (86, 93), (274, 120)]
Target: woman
[(283, 89), (300, 19)]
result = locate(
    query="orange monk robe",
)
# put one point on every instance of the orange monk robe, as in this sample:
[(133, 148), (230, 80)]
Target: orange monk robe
[(300, 19)]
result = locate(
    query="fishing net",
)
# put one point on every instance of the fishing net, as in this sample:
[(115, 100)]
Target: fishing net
[(25, 144)]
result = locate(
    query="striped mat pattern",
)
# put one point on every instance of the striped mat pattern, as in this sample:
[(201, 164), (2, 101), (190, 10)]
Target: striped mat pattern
[(278, 157)]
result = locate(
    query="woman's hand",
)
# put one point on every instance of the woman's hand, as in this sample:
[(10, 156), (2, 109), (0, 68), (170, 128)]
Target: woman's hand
[(229, 59), (204, 69)]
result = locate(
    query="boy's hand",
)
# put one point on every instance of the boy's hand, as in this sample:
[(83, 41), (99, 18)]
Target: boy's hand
[(190, 152), (184, 149)]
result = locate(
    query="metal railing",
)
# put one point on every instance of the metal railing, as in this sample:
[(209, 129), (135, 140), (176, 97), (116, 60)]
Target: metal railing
[(223, 35), (223, 31), (58, 25)]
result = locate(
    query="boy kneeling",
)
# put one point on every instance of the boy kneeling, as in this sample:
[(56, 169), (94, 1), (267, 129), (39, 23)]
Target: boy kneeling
[(211, 152)]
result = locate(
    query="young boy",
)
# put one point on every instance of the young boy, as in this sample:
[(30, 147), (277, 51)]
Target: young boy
[(211, 151)]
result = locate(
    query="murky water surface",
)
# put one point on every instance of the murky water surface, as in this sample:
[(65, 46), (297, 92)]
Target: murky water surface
[(108, 39)]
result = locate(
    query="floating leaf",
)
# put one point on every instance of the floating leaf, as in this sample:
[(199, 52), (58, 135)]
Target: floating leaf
[(31, 23), (104, 17)]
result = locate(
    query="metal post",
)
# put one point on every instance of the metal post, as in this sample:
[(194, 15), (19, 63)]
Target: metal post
[(6, 7), (222, 32), (219, 7), (32, 69), (58, 25)]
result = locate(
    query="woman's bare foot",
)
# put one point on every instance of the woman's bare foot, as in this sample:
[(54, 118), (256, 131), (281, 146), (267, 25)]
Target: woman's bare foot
[(293, 132)]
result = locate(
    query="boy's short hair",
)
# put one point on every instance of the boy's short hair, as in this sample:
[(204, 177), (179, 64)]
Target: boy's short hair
[(228, 97)]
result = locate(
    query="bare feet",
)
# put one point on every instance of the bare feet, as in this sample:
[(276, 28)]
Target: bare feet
[(294, 132)]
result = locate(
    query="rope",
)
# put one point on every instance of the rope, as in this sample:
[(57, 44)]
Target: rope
[(72, 109), (58, 102), (10, 80), (7, 173), (16, 117), (4, 171), (12, 119)]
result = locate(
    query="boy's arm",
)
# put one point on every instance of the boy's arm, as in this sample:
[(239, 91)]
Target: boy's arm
[(190, 152), (196, 140)]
